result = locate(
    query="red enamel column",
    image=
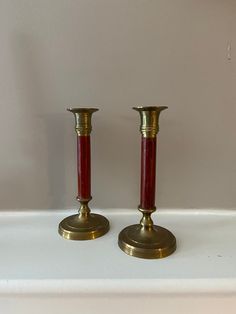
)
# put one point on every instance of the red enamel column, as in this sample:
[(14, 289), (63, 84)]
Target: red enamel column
[(84, 167), (149, 128), (148, 172)]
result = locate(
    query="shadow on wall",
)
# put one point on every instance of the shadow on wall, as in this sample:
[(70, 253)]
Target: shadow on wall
[(55, 125), (36, 176), (45, 144), (115, 166)]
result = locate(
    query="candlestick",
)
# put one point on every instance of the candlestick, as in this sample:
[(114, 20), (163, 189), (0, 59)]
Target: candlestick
[(84, 225), (147, 240)]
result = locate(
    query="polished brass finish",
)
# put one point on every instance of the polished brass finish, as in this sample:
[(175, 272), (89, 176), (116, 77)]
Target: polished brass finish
[(145, 240), (83, 126), (83, 226), (149, 119)]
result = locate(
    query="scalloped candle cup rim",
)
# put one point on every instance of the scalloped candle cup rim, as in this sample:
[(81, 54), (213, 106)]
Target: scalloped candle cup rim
[(150, 108), (82, 109)]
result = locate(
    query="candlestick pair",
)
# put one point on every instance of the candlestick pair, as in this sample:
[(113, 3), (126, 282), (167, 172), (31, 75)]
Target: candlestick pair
[(141, 240)]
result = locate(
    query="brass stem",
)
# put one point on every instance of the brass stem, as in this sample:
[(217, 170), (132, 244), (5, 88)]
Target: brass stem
[(84, 210), (146, 222)]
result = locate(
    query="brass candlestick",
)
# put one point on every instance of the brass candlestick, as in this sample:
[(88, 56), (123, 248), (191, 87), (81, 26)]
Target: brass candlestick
[(147, 240), (84, 225)]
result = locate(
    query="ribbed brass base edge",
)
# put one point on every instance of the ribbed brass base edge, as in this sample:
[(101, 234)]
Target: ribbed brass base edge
[(133, 241), (72, 228)]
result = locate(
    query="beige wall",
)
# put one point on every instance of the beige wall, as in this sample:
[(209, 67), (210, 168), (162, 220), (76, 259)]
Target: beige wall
[(114, 54)]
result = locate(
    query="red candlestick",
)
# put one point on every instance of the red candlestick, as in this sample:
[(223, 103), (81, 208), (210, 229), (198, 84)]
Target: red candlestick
[(84, 167), (145, 239), (84, 225), (148, 173)]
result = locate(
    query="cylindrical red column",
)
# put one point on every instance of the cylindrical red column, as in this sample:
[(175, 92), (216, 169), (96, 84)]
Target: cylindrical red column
[(148, 172), (84, 167)]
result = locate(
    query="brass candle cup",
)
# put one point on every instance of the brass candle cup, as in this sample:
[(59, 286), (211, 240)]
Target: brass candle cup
[(146, 240), (84, 225)]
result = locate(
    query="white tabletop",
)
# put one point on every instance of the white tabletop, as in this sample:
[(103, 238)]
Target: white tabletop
[(35, 258)]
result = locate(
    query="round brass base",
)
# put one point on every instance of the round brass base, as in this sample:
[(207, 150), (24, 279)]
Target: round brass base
[(87, 228), (157, 242)]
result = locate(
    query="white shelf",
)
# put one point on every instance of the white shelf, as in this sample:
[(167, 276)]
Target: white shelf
[(37, 262)]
